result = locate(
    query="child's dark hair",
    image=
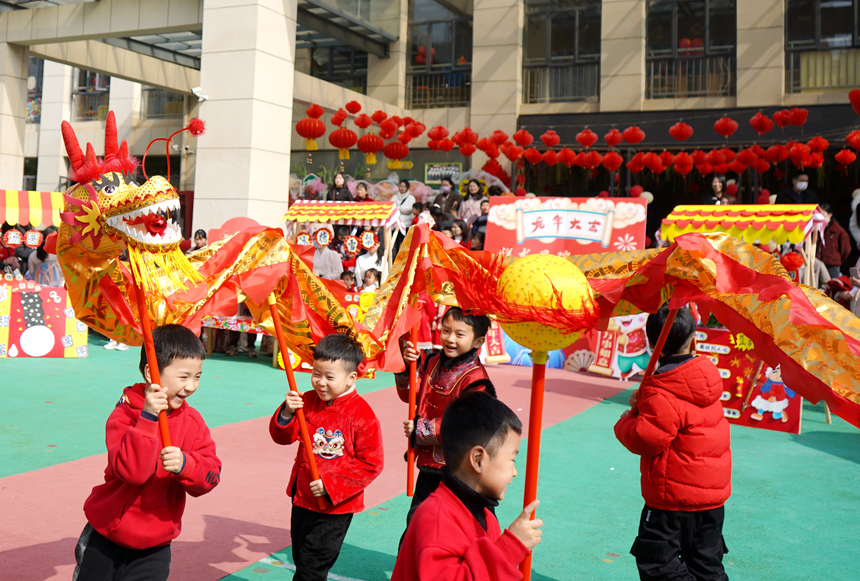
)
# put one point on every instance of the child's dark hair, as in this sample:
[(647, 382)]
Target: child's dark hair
[(376, 273), (682, 331), (480, 323), (347, 273), (200, 233), (173, 342), (337, 347), (475, 419)]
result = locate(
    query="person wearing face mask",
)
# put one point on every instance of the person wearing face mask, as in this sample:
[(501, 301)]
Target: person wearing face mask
[(470, 209), (798, 192), (447, 195)]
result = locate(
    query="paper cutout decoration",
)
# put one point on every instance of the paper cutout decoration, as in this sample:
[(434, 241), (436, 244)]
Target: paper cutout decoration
[(323, 237), (303, 239), (33, 238), (369, 239), (13, 238), (351, 244)]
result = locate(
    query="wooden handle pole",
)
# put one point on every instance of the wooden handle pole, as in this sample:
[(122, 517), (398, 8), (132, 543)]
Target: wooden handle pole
[(413, 381), (539, 359), (291, 379), (151, 358), (658, 348)]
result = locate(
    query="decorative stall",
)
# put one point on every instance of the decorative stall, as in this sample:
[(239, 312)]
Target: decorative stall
[(372, 214)]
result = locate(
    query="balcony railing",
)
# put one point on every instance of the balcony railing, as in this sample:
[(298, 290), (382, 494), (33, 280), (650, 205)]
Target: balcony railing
[(712, 76), (438, 89), (90, 106), (821, 70), (161, 104), (561, 83)]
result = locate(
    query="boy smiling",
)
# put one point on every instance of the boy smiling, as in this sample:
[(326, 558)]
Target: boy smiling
[(347, 443)]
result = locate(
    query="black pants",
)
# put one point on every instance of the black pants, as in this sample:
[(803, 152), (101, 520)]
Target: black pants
[(317, 539), (426, 485), (680, 546), (102, 560)]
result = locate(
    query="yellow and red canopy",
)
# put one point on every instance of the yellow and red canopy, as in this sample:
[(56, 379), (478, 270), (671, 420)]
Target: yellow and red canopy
[(39, 209), (349, 213), (752, 223)]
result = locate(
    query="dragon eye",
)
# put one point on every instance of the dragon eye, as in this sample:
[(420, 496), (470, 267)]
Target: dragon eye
[(109, 190)]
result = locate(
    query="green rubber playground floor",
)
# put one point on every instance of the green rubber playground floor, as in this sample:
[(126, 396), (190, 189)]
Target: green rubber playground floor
[(794, 514)]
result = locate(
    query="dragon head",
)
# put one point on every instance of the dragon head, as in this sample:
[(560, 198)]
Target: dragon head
[(108, 211)]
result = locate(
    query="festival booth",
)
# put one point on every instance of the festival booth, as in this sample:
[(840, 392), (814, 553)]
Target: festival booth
[(373, 214), (754, 394)]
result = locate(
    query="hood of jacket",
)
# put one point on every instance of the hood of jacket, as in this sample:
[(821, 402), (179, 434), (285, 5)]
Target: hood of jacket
[(696, 381)]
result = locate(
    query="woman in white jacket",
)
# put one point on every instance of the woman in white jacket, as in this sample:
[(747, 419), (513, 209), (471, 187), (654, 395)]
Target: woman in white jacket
[(375, 258)]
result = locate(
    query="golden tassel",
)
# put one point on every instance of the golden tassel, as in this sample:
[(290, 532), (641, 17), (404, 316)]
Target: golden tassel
[(370, 158), (343, 153), (148, 267), (311, 144)]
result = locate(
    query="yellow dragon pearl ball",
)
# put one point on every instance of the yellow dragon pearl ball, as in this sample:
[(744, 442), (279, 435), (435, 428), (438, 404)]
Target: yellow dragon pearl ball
[(529, 281)]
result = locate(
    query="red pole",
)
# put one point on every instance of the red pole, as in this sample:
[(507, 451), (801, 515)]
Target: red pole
[(539, 359), (291, 379), (658, 348), (410, 451), (151, 359)]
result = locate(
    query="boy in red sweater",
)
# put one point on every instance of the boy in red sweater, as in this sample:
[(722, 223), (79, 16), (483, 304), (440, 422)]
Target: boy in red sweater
[(347, 443), (135, 514), (442, 379), (454, 535), (676, 424)]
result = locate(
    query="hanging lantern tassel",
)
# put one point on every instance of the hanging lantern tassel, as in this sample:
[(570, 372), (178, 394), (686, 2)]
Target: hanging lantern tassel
[(342, 154)]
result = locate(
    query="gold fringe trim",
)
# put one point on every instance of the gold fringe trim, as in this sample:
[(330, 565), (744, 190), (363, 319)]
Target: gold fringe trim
[(149, 267)]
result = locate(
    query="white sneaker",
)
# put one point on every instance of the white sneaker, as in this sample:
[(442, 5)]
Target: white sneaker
[(121, 347), (112, 344)]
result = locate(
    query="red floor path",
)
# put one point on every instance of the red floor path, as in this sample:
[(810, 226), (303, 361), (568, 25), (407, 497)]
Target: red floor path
[(246, 517)]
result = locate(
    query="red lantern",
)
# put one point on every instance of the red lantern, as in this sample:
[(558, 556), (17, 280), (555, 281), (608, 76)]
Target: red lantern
[(698, 156), (404, 138), (395, 151), (613, 138), (652, 161), (343, 138), (854, 98), (467, 148), (387, 129), (797, 117), (760, 165), (438, 133), (681, 131), (592, 159), (636, 163), (818, 144), (737, 167), (446, 145), (716, 157), (415, 129), (468, 136), (683, 163), (730, 154), (533, 156), (550, 138), (370, 145), (586, 138), (633, 135), (667, 159), (612, 160), (725, 126), (845, 157), (579, 160), (782, 118), (775, 154), (704, 168), (853, 139), (815, 160), (761, 124), (498, 137), (799, 154), (339, 117), (353, 107), (311, 129), (513, 152), (397, 120), (379, 116), (363, 121), (523, 138), (746, 156), (550, 157), (566, 156)]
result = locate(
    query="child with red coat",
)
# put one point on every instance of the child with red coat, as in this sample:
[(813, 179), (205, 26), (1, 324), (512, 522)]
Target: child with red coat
[(347, 443), (677, 426), (137, 512), (442, 379), (454, 535)]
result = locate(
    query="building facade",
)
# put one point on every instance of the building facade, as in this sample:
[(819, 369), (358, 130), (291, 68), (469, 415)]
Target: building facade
[(251, 68)]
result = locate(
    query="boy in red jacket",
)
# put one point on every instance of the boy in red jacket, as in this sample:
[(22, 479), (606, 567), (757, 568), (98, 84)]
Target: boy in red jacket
[(677, 425), (135, 514), (443, 378), (347, 443), (454, 535)]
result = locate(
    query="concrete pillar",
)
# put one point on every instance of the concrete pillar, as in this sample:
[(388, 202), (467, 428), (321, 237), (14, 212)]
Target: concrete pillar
[(247, 72), (303, 60), (497, 68), (56, 108), (14, 69), (189, 147), (386, 78), (622, 55), (761, 53), (124, 101)]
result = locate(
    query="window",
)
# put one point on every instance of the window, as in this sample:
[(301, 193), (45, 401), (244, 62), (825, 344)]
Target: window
[(161, 104), (34, 90), (561, 44), (91, 96), (822, 44), (440, 58), (341, 65), (691, 48)]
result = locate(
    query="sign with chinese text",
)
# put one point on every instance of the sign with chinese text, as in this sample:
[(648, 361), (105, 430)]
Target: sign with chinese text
[(565, 226)]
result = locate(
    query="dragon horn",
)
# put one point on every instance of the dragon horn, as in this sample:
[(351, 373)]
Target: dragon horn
[(76, 156), (92, 161), (111, 143)]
